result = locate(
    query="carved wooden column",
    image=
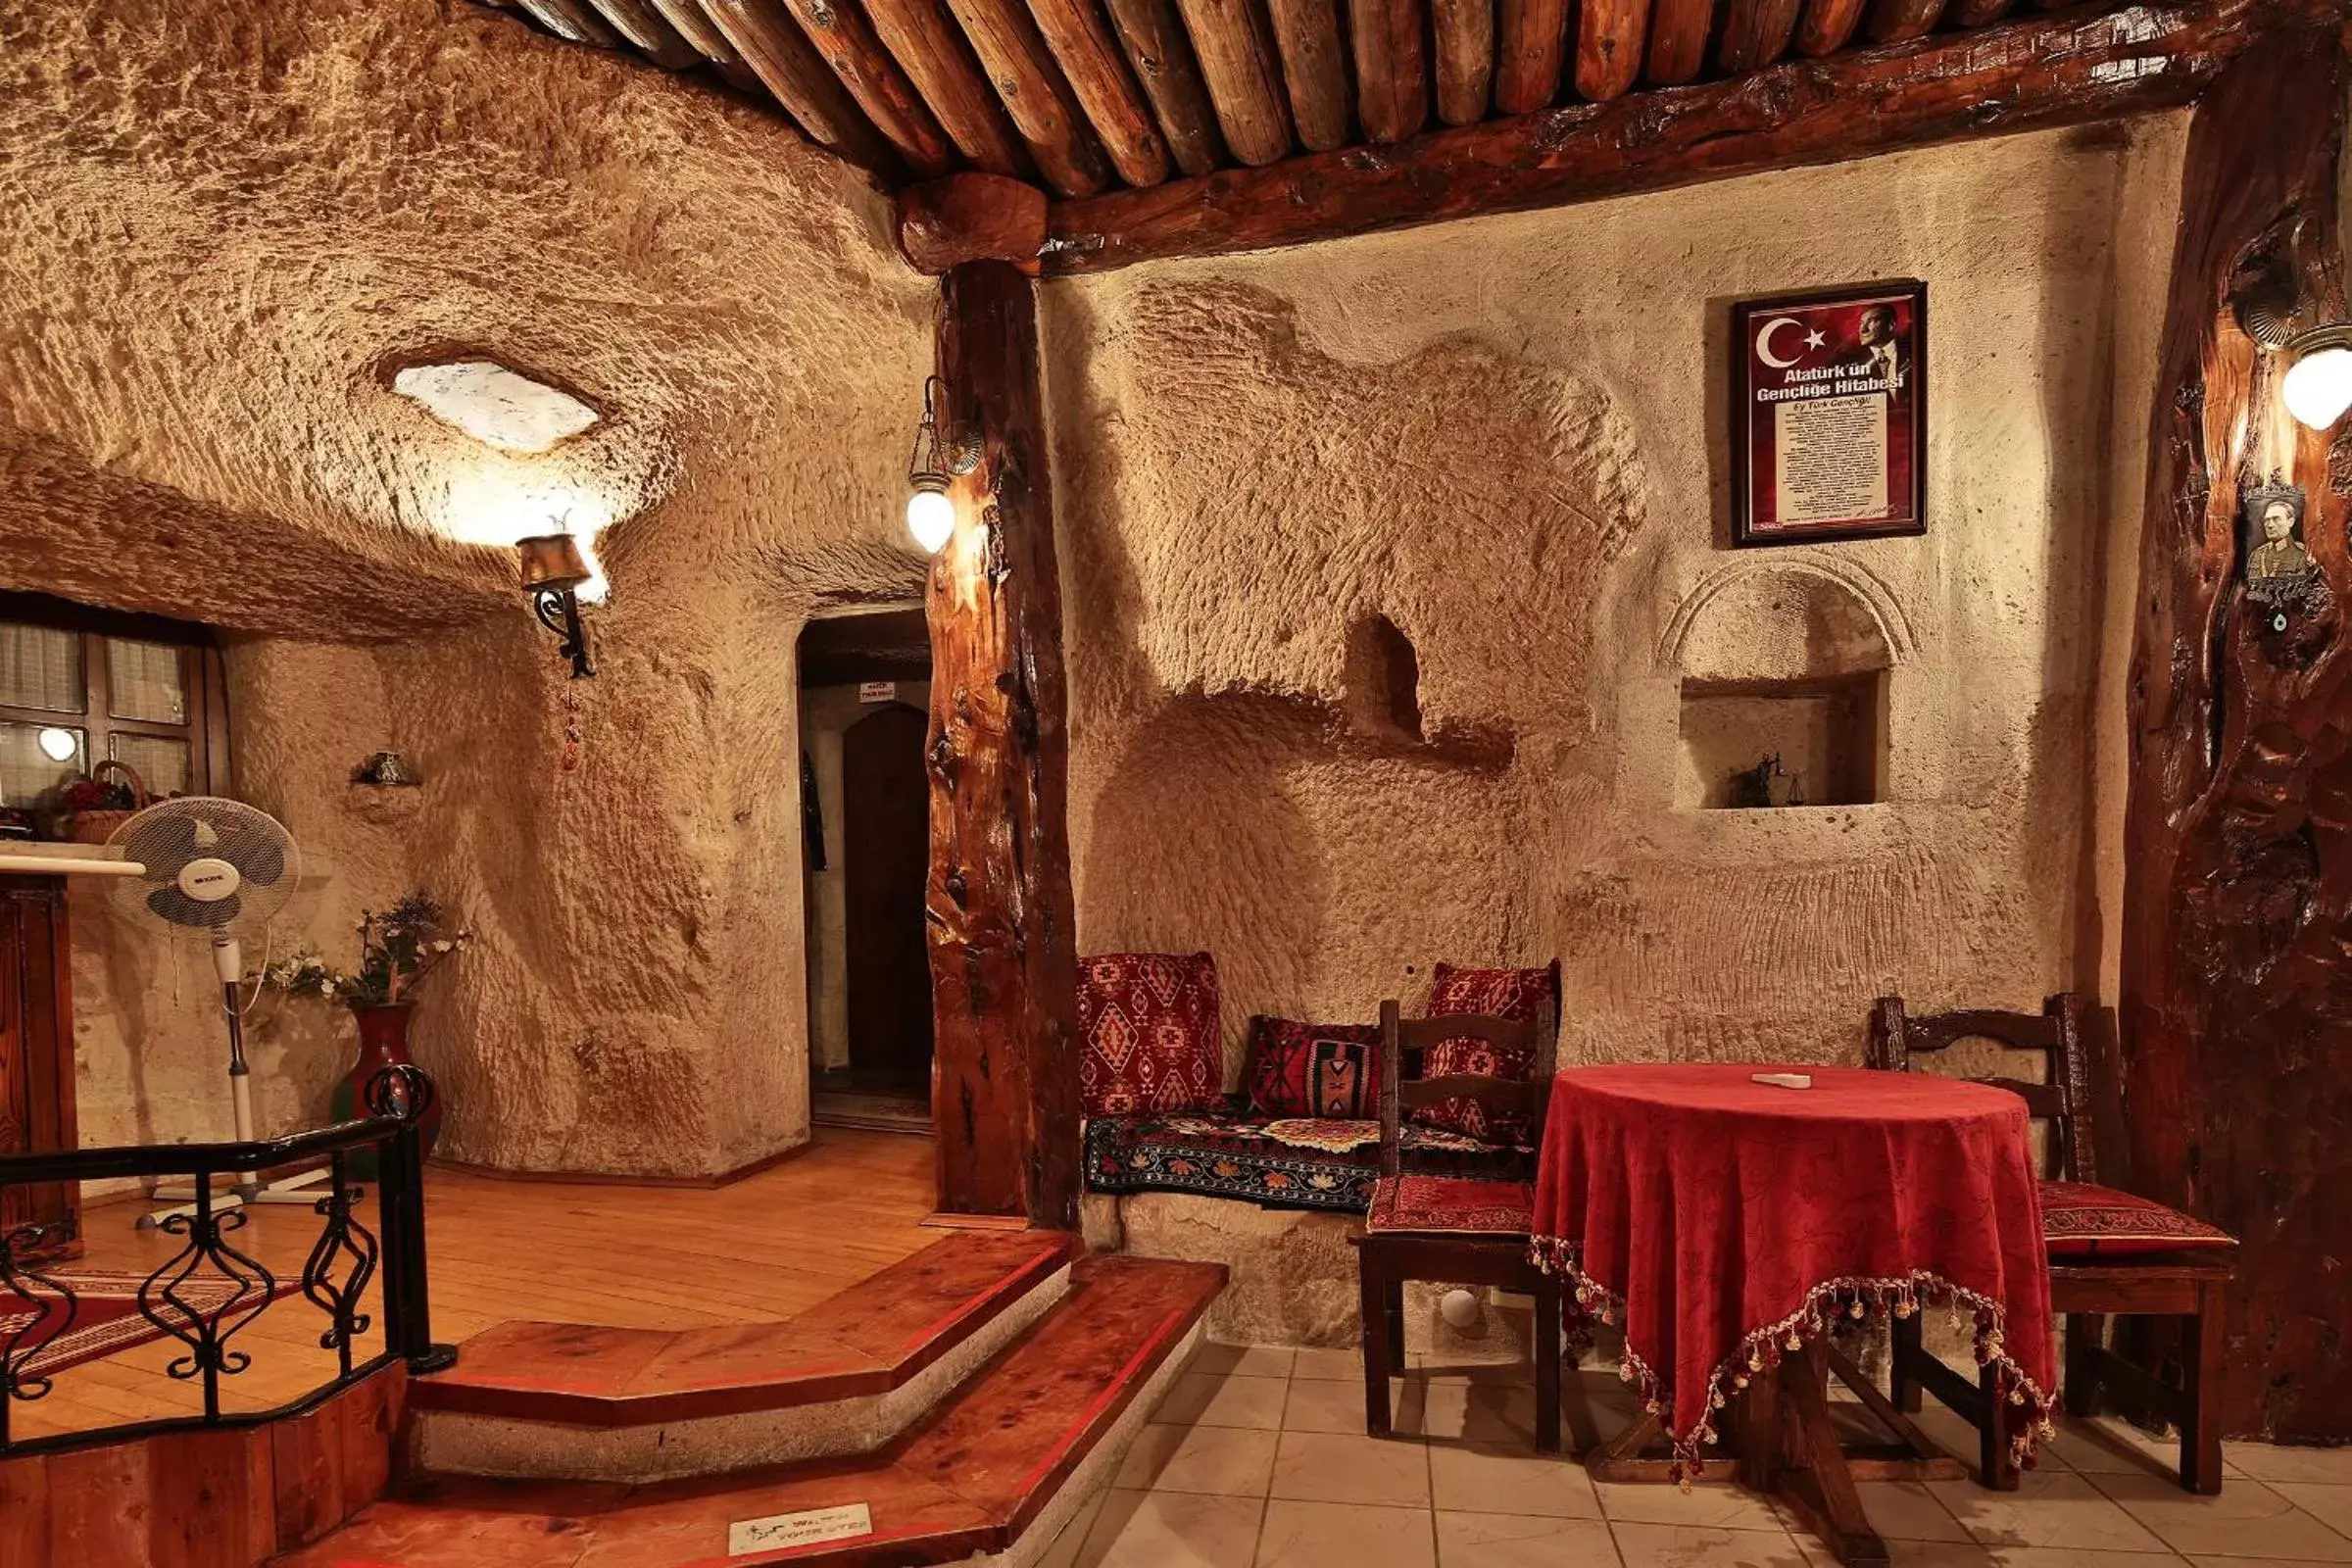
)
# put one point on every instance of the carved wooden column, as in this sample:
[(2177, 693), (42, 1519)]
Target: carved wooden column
[(2237, 986), (1004, 964)]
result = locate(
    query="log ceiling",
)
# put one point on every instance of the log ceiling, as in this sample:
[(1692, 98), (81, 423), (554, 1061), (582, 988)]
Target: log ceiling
[(1163, 127)]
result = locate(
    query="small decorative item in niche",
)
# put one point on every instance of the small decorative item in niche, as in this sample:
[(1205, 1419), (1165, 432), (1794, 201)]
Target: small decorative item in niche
[(1765, 785), (387, 768), (1830, 415), (2283, 578)]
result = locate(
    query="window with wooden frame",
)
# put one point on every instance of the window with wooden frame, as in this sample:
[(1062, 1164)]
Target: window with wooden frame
[(82, 687)]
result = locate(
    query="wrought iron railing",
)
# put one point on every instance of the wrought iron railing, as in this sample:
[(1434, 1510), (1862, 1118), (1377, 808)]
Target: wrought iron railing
[(237, 1288)]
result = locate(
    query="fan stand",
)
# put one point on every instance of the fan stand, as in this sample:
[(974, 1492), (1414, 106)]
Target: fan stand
[(303, 1187)]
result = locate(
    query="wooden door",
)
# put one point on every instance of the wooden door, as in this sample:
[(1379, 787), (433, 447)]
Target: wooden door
[(36, 1048), (885, 859)]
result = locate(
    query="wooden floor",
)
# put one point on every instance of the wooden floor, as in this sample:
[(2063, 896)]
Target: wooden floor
[(650, 1257)]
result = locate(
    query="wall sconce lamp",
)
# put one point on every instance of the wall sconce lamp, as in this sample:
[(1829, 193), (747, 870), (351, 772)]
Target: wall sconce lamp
[(935, 460), (554, 569), (2317, 384)]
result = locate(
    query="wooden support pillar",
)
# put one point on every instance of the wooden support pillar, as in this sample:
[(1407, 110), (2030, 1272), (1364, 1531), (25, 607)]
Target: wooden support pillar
[(2236, 980), (1004, 960)]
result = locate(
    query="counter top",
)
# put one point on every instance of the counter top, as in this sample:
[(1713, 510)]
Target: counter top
[(27, 858)]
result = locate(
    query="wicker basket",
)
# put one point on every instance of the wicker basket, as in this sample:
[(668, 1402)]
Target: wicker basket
[(96, 827)]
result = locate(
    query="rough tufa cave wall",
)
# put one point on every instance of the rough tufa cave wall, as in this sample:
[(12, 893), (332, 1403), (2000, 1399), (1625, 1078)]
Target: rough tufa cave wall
[(1503, 438), (223, 223)]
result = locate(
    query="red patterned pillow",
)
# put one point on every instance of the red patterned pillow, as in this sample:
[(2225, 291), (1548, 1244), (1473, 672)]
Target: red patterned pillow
[(1150, 1028), (1324, 1070), (1493, 993), (2080, 1220)]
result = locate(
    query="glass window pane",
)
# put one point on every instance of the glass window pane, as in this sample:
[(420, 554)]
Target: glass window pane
[(162, 765), (40, 667), (27, 767), (143, 681)]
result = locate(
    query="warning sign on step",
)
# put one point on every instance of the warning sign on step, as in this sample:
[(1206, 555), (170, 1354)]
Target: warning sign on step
[(747, 1536)]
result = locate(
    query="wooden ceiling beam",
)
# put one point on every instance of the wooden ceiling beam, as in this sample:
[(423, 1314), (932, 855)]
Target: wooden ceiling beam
[(970, 217), (1463, 32), (931, 49), (2056, 68), (780, 55), (1678, 40), (1314, 70), (1234, 41), (1035, 94), (575, 22), (695, 25), (650, 32), (1153, 34), (1894, 21), (1827, 25), (1978, 12), (839, 32), (1609, 35), (1097, 73), (1533, 46), (1391, 66), (1755, 34)]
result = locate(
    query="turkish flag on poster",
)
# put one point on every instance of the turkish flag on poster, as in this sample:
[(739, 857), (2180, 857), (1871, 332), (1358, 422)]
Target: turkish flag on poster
[(1830, 424)]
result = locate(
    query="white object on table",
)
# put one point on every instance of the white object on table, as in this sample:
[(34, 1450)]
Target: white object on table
[(1783, 1080)]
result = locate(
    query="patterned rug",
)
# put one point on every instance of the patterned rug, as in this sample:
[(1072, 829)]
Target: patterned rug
[(105, 1314)]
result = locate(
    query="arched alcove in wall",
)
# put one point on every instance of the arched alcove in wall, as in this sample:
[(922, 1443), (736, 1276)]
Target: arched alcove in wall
[(1783, 667)]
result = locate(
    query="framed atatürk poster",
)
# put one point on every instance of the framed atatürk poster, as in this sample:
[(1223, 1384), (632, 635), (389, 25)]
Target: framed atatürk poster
[(1830, 415)]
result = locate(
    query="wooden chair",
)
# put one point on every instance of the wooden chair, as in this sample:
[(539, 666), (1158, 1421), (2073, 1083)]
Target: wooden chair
[(1460, 1230), (2168, 1264)]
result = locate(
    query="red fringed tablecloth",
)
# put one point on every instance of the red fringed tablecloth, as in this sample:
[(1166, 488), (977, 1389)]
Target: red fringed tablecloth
[(1722, 1221)]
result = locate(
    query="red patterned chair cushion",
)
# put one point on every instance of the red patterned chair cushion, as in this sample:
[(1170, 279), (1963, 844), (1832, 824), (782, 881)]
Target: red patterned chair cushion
[(1151, 1033), (1328, 1071), (1457, 1206), (2081, 1220), (1491, 993)]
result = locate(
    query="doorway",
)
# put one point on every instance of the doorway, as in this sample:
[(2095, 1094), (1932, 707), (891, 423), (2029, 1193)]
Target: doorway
[(864, 721)]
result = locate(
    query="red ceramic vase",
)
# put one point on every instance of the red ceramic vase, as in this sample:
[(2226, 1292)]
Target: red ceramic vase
[(383, 1043)]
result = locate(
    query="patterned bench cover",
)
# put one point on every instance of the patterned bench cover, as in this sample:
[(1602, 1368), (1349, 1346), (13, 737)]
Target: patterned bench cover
[(1277, 1162)]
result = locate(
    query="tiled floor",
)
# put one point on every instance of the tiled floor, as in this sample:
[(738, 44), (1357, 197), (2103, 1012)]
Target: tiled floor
[(1257, 1459)]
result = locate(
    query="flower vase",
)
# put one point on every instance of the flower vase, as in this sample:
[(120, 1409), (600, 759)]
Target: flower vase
[(383, 1043)]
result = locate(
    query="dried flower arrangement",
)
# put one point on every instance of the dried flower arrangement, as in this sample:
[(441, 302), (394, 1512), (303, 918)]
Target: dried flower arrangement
[(398, 948)]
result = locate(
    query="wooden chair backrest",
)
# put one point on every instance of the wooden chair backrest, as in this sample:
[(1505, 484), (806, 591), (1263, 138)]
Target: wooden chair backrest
[(2063, 1099), (1536, 1038)]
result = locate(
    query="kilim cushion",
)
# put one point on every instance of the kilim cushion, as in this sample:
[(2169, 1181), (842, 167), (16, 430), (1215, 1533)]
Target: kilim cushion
[(1151, 1033), (2081, 1220), (1324, 1071), (1451, 1205), (1493, 993)]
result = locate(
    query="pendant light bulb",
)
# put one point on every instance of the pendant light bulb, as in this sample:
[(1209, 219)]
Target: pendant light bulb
[(930, 518), (2319, 385)]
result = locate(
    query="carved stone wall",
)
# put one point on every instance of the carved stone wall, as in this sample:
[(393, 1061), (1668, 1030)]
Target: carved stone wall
[(224, 222), (1504, 438)]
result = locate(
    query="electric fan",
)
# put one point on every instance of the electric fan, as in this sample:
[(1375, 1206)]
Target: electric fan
[(220, 869)]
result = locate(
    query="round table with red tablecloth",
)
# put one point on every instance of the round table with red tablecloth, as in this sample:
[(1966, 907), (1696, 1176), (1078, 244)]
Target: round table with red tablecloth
[(1723, 1222)]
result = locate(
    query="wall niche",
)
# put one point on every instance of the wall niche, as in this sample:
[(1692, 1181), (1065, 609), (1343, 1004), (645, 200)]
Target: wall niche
[(1783, 676)]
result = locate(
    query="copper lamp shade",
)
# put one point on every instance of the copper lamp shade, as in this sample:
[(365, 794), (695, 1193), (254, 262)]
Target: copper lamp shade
[(551, 560)]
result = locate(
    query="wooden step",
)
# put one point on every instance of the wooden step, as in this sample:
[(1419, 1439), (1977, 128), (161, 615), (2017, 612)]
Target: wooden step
[(563, 1400), (1006, 1460)]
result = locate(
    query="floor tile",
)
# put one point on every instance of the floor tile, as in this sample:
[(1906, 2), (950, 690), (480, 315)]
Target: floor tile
[(1513, 1540), (1455, 1409), (1708, 1506), (2248, 1520), (1906, 1510), (1315, 1405), (1329, 1535), (1067, 1546), (1328, 1467), (1171, 1530), (1337, 1366), (1659, 1546), (2054, 1558), (2108, 1445), (1480, 1477), (1235, 1462), (2050, 1508), (1250, 1361), (2277, 1461), (1967, 1554), (2331, 1506), (1223, 1399)]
